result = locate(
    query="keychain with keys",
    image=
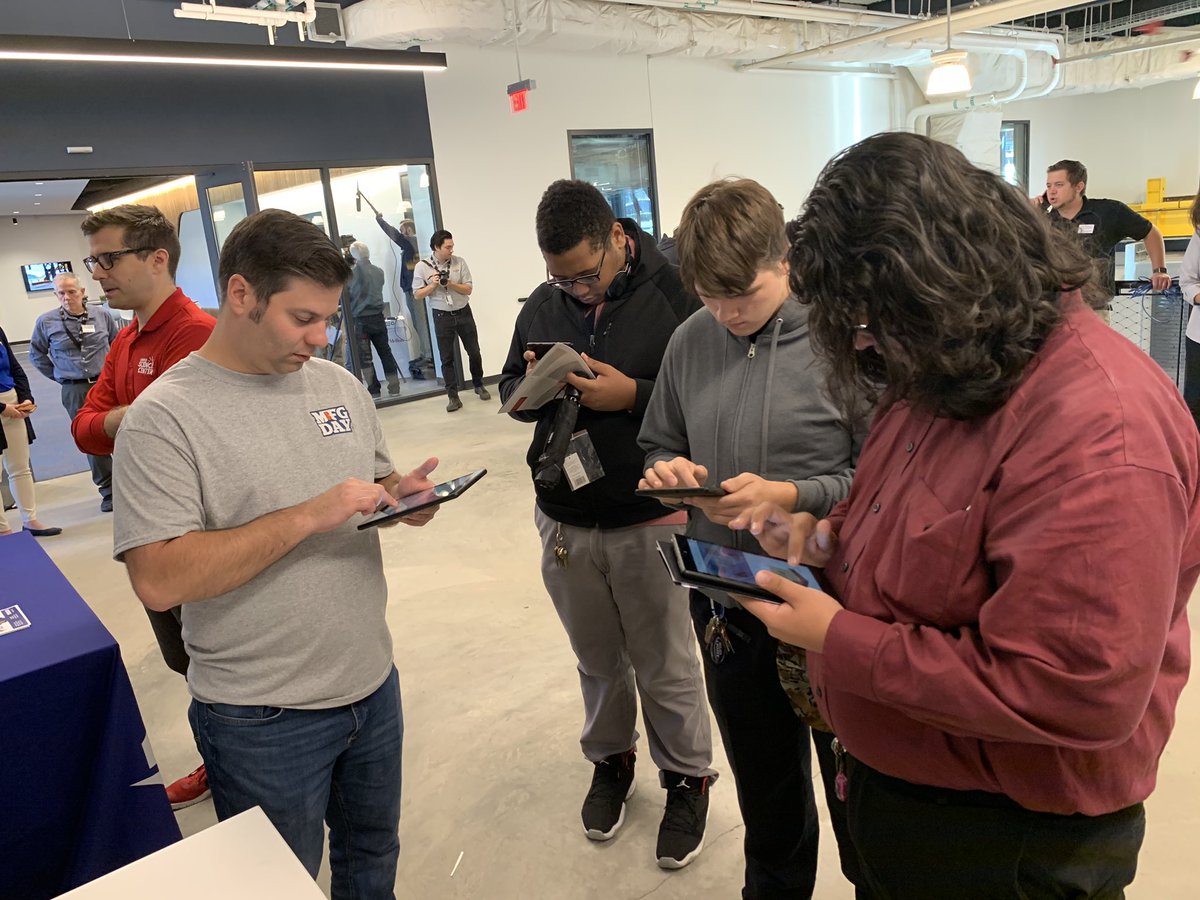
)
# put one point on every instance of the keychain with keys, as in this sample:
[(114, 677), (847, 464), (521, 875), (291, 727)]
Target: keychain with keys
[(716, 636), (841, 781), (560, 549)]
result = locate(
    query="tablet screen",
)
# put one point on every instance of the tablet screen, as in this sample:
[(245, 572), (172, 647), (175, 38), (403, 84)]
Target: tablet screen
[(731, 564)]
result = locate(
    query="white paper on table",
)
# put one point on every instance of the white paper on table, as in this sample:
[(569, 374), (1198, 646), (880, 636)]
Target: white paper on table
[(546, 379)]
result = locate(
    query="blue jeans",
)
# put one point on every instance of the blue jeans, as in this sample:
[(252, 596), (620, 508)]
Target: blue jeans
[(308, 767)]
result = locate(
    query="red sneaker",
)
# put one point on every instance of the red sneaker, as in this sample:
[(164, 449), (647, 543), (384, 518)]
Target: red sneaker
[(189, 790)]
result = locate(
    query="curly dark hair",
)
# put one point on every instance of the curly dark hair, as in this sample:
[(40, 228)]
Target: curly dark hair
[(956, 275), (570, 211)]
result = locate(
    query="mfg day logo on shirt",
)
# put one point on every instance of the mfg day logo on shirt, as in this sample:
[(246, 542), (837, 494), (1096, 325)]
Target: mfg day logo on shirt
[(335, 420)]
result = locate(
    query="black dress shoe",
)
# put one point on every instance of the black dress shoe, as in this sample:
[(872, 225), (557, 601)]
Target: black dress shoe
[(106, 504), (44, 532)]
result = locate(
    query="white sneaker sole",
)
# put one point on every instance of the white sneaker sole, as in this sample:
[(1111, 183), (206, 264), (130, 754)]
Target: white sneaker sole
[(186, 803), (669, 862), (594, 835)]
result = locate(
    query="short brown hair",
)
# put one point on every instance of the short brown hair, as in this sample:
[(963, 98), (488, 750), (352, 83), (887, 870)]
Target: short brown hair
[(1076, 171), (1196, 212), (272, 247), (141, 227), (730, 231)]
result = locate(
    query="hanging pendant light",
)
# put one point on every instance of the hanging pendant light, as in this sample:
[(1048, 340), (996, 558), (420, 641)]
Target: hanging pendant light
[(949, 75)]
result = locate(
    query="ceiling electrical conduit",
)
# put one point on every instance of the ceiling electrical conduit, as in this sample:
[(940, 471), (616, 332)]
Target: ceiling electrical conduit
[(918, 118), (966, 20), (268, 18)]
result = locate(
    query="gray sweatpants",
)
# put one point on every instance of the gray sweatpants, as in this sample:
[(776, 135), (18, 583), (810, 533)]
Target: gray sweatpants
[(630, 627)]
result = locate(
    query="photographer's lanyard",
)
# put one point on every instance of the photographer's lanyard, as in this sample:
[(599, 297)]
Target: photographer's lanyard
[(592, 319), (78, 342)]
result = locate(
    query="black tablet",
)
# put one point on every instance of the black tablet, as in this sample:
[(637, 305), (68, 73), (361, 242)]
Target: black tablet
[(439, 493), (681, 492), (702, 564)]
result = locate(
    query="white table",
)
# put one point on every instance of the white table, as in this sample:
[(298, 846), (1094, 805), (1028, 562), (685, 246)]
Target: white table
[(242, 858)]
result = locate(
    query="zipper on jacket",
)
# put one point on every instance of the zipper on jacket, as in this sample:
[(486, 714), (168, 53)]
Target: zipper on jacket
[(750, 353)]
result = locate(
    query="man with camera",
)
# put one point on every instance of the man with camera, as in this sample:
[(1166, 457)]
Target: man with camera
[(612, 296), (446, 280)]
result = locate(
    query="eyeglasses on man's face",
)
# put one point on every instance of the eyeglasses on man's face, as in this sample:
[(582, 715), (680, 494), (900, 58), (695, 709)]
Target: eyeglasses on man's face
[(107, 260), (569, 284)]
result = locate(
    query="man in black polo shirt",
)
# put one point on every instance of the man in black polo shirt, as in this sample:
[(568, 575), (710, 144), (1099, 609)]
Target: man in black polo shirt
[(1100, 224)]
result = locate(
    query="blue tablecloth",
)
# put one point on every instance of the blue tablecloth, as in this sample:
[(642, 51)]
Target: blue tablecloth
[(80, 792)]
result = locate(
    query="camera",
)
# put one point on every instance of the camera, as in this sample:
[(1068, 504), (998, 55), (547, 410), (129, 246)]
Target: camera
[(443, 275), (549, 470)]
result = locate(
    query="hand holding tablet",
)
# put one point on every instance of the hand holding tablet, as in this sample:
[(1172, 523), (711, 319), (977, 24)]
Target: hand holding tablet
[(440, 493)]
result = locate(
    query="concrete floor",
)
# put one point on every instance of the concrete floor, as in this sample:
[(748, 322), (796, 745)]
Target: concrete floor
[(492, 767)]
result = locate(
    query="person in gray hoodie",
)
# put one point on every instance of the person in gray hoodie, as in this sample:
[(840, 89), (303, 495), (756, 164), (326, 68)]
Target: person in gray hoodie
[(740, 403)]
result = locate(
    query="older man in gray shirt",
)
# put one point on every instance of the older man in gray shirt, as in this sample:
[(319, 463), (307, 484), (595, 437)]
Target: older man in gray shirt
[(366, 306), (68, 345)]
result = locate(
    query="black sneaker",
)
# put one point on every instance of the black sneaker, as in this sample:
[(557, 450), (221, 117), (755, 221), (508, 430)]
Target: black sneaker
[(483, 393), (612, 785), (454, 404), (681, 834)]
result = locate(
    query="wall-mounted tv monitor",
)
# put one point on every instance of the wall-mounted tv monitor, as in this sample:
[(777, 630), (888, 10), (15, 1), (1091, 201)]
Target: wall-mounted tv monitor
[(40, 276)]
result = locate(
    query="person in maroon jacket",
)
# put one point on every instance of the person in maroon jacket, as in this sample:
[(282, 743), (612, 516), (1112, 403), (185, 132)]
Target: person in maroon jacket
[(134, 255), (998, 652)]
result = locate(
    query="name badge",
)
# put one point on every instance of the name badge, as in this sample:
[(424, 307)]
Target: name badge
[(1086, 229), (88, 329)]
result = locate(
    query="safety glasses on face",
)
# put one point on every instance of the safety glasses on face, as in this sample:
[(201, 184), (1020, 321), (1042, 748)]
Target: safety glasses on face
[(569, 284), (107, 260)]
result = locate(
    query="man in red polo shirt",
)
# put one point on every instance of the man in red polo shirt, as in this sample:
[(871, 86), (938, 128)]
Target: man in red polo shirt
[(134, 255)]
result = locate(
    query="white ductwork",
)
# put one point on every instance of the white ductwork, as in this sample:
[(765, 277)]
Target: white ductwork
[(579, 26), (761, 35), (270, 19), (918, 118)]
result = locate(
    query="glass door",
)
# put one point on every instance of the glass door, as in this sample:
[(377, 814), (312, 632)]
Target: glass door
[(227, 195)]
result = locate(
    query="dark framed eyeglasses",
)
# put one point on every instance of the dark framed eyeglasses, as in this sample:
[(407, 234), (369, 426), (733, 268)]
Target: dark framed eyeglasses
[(568, 284), (107, 260)]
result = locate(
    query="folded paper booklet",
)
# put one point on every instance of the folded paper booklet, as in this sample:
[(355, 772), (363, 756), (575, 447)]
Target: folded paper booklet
[(547, 378), (12, 619)]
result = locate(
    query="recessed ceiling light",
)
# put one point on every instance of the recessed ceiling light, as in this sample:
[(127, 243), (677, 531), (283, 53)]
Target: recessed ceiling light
[(16, 212), (39, 183), (37, 195), (36, 203)]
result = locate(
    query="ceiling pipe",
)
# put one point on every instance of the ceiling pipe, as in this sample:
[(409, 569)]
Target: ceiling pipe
[(1102, 54), (966, 20), (267, 18), (920, 115), (788, 12)]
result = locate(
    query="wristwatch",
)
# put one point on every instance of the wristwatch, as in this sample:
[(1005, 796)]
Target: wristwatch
[(1161, 270)]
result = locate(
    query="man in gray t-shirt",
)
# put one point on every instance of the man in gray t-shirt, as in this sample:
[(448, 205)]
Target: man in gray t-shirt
[(241, 475)]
